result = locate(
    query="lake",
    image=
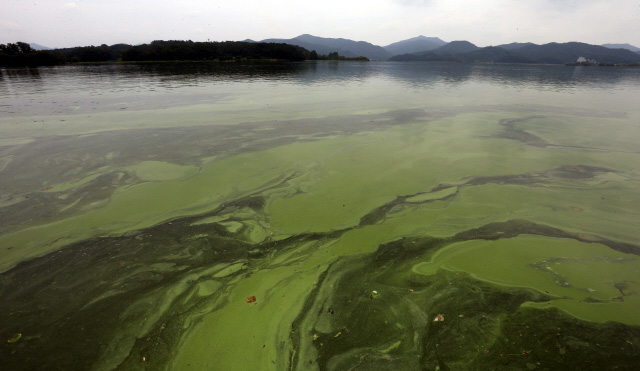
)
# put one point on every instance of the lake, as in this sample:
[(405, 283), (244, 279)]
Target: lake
[(319, 216)]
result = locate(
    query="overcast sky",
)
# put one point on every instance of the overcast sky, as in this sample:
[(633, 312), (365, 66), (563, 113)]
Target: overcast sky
[(64, 23)]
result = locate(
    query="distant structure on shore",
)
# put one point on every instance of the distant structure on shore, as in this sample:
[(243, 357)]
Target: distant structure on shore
[(586, 62), (582, 61)]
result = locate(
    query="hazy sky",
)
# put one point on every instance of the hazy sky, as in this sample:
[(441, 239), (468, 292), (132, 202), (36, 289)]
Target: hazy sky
[(64, 23)]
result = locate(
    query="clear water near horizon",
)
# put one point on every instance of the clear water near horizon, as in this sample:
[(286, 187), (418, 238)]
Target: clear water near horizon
[(144, 208)]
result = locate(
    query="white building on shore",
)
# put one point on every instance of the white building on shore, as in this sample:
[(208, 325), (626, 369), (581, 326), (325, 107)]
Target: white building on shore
[(583, 60)]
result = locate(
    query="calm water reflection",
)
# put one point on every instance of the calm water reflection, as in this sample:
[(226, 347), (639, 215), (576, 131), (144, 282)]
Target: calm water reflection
[(24, 91)]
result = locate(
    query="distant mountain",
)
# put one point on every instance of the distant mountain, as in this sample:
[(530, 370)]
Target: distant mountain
[(494, 54), (514, 46), (456, 47), (622, 46), (445, 53), (552, 53), (344, 47), (491, 54), (414, 45), (569, 52), (39, 47)]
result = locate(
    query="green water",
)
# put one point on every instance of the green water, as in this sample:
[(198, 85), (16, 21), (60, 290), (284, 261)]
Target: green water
[(140, 212)]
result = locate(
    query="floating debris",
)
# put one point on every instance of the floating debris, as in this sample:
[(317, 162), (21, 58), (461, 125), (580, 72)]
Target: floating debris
[(330, 311), (315, 337), (439, 318), (486, 351), (251, 299), (14, 338), (374, 294)]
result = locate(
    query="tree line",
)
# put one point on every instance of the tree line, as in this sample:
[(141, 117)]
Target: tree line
[(333, 56), (223, 51), (21, 54)]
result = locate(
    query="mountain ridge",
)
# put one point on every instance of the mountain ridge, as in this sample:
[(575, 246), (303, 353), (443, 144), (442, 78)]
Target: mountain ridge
[(35, 46), (551, 53), (423, 48), (622, 46), (345, 47), (414, 45)]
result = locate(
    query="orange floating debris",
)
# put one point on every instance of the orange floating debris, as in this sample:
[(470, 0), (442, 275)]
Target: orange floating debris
[(251, 299), (439, 318)]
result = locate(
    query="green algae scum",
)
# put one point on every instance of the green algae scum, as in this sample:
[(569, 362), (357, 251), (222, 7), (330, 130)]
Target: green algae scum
[(320, 216)]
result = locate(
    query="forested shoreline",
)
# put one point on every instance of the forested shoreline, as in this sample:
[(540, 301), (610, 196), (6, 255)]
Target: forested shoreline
[(22, 54)]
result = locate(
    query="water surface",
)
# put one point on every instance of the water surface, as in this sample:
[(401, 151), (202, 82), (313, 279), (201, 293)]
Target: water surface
[(142, 207)]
